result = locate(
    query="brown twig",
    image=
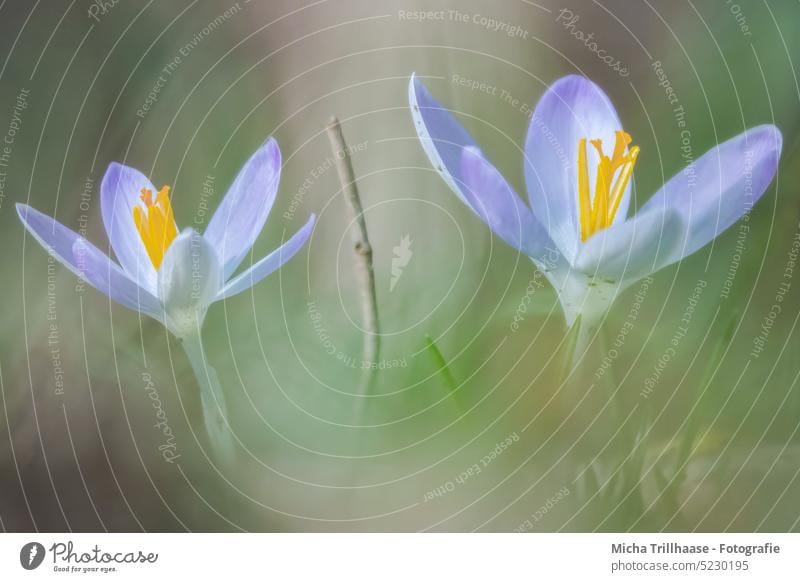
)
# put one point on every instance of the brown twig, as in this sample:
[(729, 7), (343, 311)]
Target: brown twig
[(363, 253)]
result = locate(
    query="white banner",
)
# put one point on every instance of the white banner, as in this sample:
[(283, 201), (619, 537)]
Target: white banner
[(401, 557)]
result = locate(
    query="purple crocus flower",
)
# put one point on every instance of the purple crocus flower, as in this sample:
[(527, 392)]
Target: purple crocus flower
[(175, 276), (172, 277), (578, 167)]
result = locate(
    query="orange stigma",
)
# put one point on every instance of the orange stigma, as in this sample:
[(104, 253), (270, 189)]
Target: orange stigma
[(155, 223)]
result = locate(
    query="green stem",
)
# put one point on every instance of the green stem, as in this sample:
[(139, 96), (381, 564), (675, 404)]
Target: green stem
[(212, 398), (569, 355), (631, 434)]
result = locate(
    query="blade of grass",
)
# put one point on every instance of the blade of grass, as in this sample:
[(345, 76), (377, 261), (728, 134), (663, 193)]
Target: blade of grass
[(441, 367)]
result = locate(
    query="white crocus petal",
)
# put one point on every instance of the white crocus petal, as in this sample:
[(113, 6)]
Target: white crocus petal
[(268, 264), (571, 109), (495, 201), (721, 186), (612, 260), (87, 262), (120, 191), (105, 276), (633, 249), (453, 152), (442, 137), (188, 281), (241, 215)]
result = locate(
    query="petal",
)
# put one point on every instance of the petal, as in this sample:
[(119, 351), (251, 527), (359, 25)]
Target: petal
[(268, 264), (120, 191), (108, 278), (571, 109), (491, 196), (240, 217), (188, 281), (87, 262), (635, 248), (722, 185), (442, 137)]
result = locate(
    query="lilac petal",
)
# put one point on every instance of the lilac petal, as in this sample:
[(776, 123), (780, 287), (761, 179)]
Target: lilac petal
[(87, 262), (442, 137), (571, 109), (721, 186), (268, 264), (241, 215), (635, 248), (120, 191), (491, 196), (108, 278)]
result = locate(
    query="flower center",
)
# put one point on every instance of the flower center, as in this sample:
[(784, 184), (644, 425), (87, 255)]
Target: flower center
[(613, 175), (155, 223)]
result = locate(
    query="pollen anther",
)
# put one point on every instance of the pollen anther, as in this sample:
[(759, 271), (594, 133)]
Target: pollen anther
[(613, 175)]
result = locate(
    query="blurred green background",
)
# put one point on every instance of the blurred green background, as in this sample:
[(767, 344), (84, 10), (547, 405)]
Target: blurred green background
[(713, 446)]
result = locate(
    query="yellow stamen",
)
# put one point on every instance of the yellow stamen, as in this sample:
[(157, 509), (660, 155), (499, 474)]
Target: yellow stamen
[(613, 175), (583, 189), (155, 223)]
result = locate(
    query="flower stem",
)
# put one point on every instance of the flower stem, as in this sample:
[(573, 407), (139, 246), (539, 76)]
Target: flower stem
[(585, 329), (212, 398), (569, 349), (632, 435)]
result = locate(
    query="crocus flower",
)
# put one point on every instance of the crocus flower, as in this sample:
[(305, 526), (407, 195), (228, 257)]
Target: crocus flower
[(175, 276), (578, 168)]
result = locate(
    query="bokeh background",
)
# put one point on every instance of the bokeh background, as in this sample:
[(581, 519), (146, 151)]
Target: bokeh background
[(475, 422)]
